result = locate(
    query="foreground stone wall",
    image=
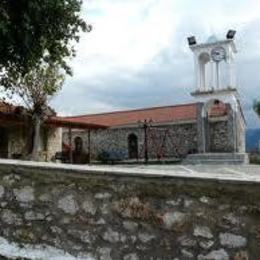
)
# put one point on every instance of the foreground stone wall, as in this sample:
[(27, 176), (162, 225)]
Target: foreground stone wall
[(122, 216)]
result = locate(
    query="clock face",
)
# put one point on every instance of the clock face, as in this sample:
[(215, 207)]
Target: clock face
[(218, 54)]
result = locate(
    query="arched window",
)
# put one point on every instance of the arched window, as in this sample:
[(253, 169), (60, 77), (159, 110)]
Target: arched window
[(132, 146), (78, 144)]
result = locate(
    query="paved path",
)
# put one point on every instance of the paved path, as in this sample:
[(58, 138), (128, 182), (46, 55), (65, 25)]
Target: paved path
[(225, 172), (236, 173)]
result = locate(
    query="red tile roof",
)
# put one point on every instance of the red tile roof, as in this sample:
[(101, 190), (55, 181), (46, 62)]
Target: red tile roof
[(10, 115), (13, 114), (6, 108), (65, 122), (164, 114), (219, 109)]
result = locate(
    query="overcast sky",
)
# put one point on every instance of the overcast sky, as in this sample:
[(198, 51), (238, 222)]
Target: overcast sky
[(137, 55)]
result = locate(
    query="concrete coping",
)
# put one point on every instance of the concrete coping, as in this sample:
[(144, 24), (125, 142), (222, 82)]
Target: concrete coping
[(245, 174)]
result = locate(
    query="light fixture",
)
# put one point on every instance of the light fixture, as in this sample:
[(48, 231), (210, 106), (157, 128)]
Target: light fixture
[(192, 40), (231, 34)]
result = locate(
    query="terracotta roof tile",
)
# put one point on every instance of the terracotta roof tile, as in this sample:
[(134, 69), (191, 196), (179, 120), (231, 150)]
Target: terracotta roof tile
[(66, 122), (163, 114), (220, 109), (156, 114), (6, 108)]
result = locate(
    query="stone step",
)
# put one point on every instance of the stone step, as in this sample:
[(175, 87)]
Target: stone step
[(217, 158), (213, 162)]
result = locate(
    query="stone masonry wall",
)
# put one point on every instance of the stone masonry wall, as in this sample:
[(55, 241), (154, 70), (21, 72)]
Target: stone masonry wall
[(180, 138), (122, 216), (54, 143), (219, 138), (17, 141)]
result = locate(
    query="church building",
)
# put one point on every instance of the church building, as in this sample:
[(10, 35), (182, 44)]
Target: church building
[(213, 123)]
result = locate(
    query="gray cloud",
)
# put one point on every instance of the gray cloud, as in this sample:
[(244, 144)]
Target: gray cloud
[(168, 77)]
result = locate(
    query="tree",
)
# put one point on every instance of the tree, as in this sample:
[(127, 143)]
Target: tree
[(36, 43), (256, 107), (35, 30), (36, 88)]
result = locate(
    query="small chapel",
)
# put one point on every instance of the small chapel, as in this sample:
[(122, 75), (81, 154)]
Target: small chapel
[(213, 124)]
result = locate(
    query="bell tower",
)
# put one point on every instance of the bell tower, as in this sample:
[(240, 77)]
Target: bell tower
[(214, 63), (215, 83)]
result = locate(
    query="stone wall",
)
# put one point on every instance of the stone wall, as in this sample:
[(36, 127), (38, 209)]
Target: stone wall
[(180, 139), (221, 134), (54, 142), (17, 142), (218, 137), (104, 215)]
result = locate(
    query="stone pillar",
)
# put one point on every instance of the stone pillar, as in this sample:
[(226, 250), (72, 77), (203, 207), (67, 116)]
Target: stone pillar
[(70, 144), (207, 133), (212, 75), (217, 76), (201, 140), (231, 65), (241, 136), (89, 146), (235, 131), (231, 129), (202, 76), (197, 74), (234, 128)]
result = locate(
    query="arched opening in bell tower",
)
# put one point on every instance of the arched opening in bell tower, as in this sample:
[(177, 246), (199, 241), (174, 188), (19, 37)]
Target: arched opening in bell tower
[(204, 68)]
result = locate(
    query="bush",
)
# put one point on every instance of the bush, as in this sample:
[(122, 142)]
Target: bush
[(113, 155), (103, 157), (254, 158)]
